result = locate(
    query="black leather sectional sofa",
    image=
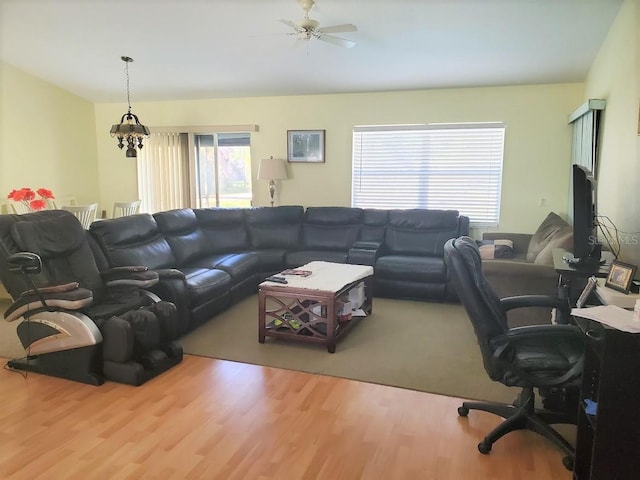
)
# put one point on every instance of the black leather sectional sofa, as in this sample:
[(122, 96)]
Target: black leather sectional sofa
[(210, 258)]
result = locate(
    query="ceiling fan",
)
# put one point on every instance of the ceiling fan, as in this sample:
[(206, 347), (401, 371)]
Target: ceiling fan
[(308, 28)]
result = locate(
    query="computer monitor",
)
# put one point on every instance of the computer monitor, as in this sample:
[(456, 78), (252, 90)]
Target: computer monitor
[(586, 248)]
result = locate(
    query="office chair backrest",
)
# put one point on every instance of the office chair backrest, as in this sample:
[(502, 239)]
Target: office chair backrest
[(124, 209), (482, 305), (85, 213)]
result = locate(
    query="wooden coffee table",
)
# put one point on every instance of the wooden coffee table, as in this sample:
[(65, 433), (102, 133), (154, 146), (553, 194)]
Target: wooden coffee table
[(306, 308)]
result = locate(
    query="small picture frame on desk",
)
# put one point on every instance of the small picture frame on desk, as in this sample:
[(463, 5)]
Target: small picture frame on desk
[(620, 276)]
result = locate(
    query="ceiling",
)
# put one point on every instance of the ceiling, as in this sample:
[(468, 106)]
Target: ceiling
[(193, 49)]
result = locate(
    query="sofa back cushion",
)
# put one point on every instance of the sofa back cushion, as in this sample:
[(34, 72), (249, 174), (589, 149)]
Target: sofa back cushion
[(420, 231), (133, 240), (331, 228), (181, 231), (224, 229), (275, 227), (374, 223)]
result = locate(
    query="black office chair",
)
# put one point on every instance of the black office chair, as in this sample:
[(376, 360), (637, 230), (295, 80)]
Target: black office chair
[(79, 323), (544, 357)]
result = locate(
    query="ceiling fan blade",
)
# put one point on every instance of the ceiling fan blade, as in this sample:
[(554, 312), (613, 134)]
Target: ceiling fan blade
[(347, 27), (337, 41), (293, 25)]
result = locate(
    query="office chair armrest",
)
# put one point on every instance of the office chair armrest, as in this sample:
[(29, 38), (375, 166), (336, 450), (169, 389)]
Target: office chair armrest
[(563, 314), (519, 301), (134, 276), (58, 297), (554, 332)]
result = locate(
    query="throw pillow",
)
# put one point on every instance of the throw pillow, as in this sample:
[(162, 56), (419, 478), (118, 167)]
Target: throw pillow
[(544, 234), (562, 239), (495, 249)]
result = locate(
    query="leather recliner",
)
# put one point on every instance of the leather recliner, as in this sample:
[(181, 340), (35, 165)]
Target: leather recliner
[(137, 331)]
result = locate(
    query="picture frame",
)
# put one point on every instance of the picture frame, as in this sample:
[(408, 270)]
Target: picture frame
[(620, 276), (305, 146)]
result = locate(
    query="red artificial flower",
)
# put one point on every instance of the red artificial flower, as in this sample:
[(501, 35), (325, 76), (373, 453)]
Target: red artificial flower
[(45, 193), (28, 197), (37, 204)]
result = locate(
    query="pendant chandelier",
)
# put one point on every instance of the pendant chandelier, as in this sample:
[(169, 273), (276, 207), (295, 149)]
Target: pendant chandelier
[(129, 130)]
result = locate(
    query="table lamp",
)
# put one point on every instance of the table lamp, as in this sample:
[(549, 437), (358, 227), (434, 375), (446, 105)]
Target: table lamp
[(272, 169)]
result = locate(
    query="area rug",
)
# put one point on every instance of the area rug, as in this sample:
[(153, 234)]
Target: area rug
[(422, 346)]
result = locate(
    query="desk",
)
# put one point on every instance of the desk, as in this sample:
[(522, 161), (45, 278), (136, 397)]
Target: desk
[(584, 271), (571, 279), (608, 296), (607, 443)]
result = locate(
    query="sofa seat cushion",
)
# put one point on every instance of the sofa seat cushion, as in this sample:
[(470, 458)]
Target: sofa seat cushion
[(295, 259), (204, 284), (412, 268), (239, 266)]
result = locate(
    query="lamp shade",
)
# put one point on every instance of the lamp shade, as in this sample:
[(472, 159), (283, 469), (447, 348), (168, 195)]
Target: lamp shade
[(272, 169)]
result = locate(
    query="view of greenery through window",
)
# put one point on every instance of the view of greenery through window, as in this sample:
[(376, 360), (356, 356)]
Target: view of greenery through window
[(223, 163)]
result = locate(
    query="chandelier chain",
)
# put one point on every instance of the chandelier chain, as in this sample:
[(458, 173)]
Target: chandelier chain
[(126, 69)]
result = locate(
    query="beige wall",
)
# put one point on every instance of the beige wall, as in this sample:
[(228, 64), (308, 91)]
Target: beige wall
[(47, 138), (537, 150), (615, 77)]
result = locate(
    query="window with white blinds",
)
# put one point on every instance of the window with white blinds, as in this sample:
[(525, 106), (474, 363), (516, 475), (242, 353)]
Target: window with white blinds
[(437, 166)]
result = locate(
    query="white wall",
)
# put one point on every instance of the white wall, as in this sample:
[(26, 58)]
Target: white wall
[(537, 150), (615, 77), (47, 138)]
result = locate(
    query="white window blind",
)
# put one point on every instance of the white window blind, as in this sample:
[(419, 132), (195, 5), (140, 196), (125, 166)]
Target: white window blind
[(586, 125), (438, 166)]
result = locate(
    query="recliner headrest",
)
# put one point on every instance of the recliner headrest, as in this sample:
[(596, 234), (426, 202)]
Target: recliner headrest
[(50, 237)]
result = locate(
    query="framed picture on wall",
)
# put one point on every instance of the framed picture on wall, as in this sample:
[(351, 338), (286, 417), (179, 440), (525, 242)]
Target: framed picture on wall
[(306, 146)]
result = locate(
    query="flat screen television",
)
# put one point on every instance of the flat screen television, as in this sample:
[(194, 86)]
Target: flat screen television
[(586, 248)]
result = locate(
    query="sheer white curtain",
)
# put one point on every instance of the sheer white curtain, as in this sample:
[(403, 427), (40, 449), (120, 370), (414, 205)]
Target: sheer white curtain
[(163, 172)]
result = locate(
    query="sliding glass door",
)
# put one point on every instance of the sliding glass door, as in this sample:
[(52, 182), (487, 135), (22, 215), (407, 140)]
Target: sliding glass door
[(223, 170)]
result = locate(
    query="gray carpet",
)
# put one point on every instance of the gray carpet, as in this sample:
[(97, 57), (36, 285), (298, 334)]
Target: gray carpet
[(422, 346)]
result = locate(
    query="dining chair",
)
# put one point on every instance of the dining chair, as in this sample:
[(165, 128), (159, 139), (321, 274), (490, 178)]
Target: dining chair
[(123, 209), (52, 204), (85, 213), (18, 208)]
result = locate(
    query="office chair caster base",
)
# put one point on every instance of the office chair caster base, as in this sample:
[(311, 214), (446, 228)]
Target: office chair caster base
[(484, 448)]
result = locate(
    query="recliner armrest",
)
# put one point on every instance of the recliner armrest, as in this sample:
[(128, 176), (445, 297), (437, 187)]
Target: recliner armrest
[(364, 253), (57, 297), (64, 287), (367, 245), (139, 276), (168, 273)]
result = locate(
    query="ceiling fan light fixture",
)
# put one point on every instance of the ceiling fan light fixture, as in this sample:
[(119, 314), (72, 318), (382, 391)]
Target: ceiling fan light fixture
[(129, 130), (308, 28)]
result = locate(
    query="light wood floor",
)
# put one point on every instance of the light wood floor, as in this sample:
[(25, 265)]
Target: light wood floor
[(213, 419)]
